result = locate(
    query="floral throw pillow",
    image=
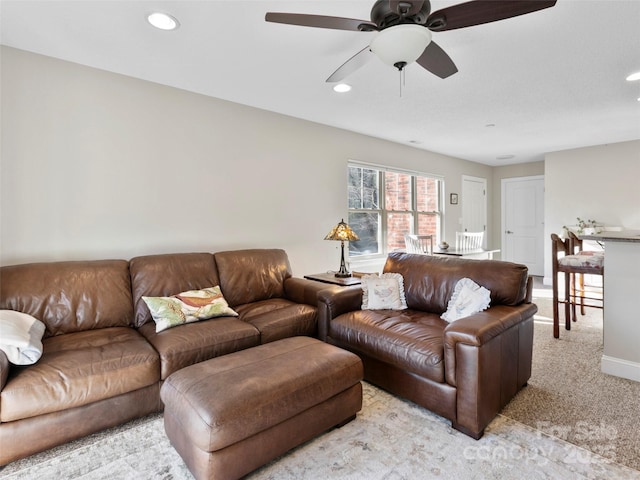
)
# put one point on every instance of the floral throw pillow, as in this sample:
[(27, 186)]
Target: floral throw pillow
[(383, 292), (468, 298), (187, 307)]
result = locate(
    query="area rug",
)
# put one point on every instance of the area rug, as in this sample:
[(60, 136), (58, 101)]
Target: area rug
[(391, 439)]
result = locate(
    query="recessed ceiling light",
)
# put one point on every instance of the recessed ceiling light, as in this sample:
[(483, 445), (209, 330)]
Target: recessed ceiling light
[(163, 21), (633, 77), (342, 88)]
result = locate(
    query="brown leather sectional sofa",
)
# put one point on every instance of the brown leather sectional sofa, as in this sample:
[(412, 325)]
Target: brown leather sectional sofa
[(103, 361), (466, 370)]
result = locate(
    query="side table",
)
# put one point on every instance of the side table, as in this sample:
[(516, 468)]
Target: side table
[(331, 278)]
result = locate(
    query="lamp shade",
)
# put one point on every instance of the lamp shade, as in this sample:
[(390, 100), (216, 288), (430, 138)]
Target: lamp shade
[(342, 232), (401, 43)]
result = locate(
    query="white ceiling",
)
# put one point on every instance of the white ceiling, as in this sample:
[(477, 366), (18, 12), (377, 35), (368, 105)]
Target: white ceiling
[(547, 81)]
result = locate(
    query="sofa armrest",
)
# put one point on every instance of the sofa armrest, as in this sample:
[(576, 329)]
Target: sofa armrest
[(4, 369), (479, 330), (529, 296), (302, 290), (335, 301), (481, 327), (488, 358)]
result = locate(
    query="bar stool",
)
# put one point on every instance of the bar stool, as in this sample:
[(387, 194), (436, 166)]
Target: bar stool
[(568, 257), (583, 289)]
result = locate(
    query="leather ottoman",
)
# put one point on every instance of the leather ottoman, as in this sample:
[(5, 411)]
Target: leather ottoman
[(229, 415)]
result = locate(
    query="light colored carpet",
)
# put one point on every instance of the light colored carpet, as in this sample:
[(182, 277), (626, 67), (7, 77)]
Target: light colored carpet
[(393, 439), (569, 397)]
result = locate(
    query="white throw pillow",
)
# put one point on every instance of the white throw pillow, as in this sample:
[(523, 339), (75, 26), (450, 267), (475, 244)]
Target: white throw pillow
[(383, 292), (21, 337), (468, 298)]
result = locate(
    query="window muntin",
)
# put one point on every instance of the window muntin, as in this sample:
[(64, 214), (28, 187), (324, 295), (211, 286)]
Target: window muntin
[(386, 204)]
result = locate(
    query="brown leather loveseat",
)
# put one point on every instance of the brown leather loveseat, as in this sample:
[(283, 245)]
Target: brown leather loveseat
[(466, 370), (103, 362)]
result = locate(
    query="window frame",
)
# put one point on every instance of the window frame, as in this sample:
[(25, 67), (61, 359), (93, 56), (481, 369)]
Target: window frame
[(383, 212)]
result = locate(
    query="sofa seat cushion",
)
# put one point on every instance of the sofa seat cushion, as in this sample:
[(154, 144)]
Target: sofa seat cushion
[(585, 259), (80, 368), (409, 339), (192, 343), (279, 318)]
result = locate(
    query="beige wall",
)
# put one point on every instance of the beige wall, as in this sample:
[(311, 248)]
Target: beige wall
[(600, 183), (98, 165)]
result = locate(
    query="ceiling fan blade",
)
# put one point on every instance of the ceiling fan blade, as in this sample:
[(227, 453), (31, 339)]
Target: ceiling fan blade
[(436, 60), (351, 65), (482, 11), (320, 21), (406, 8)]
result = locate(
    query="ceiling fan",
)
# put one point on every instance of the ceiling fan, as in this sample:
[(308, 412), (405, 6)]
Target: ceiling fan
[(404, 30)]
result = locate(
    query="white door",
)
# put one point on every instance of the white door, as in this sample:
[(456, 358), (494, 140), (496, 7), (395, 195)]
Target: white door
[(523, 222), (474, 205)]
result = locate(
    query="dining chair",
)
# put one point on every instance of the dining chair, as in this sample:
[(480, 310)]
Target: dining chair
[(422, 244), (469, 240), (569, 258)]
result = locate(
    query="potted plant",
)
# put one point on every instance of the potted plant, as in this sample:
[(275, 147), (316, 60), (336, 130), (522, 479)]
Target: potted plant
[(584, 227)]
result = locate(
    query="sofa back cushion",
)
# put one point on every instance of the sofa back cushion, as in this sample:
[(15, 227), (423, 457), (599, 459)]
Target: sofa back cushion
[(70, 296), (168, 274), (429, 281), (248, 276)]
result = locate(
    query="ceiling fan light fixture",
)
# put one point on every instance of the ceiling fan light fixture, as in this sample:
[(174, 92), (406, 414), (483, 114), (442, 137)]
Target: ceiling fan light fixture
[(401, 44)]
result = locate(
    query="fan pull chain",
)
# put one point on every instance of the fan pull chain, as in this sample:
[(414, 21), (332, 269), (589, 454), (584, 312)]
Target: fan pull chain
[(400, 66)]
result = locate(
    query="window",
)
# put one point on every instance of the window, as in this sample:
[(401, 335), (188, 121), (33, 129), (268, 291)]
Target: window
[(385, 204)]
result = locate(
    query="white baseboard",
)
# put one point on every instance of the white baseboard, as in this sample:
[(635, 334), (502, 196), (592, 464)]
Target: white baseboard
[(620, 368)]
